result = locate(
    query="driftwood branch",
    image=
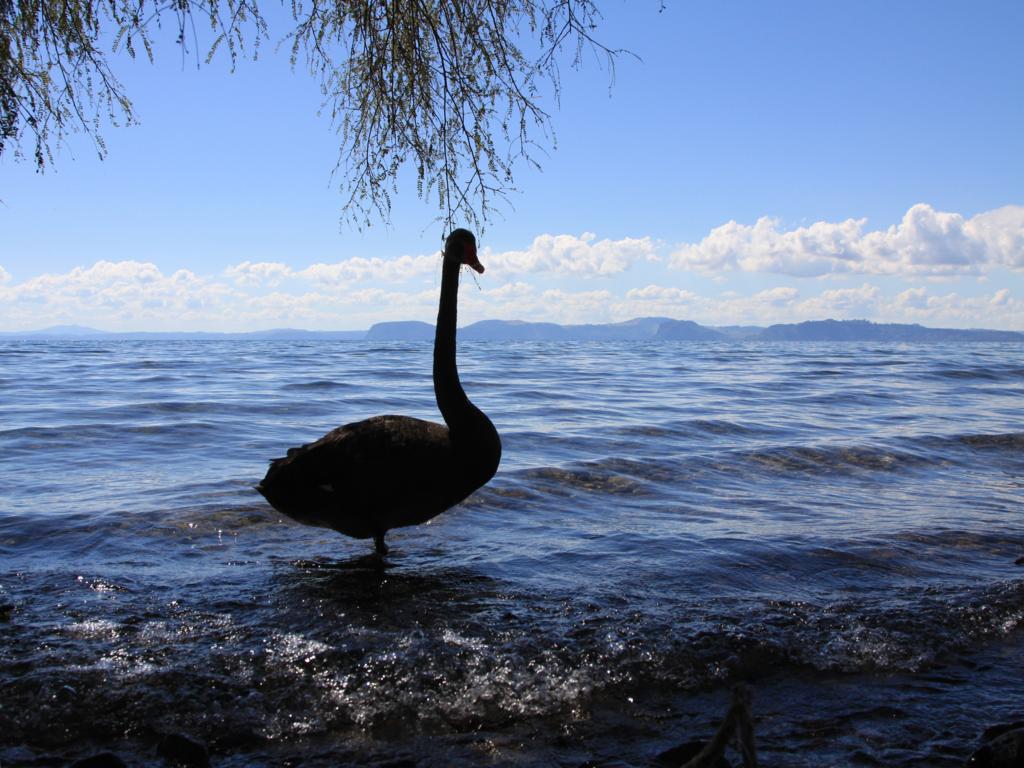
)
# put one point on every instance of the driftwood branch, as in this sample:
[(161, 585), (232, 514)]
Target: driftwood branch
[(738, 722)]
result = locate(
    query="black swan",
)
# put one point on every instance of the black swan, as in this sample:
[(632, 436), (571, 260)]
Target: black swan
[(366, 478)]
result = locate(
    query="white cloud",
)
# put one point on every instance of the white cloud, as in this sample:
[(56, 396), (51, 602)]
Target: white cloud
[(391, 299), (553, 306), (844, 302), (662, 295), (354, 293), (582, 256), (926, 243), (912, 299), (124, 290), (339, 273), (727, 308), (566, 255), (359, 269), (510, 292), (259, 273), (997, 310), (521, 301), (779, 297), (1000, 298), (785, 305), (1002, 231)]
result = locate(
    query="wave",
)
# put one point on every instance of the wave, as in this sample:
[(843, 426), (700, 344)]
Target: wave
[(901, 454), (322, 385), (330, 650), (198, 512), (593, 478), (80, 435), (844, 399), (819, 372), (980, 373), (697, 466), (832, 459), (692, 427), (1009, 441)]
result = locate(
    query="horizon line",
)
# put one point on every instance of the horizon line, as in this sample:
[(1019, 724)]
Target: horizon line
[(74, 329)]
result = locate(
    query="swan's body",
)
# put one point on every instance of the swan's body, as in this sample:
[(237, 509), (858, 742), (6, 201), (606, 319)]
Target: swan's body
[(366, 478)]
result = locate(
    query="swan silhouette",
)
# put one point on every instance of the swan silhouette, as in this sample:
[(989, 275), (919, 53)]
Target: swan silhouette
[(365, 478)]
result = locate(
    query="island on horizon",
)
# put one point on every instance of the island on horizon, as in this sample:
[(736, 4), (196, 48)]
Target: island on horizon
[(637, 329)]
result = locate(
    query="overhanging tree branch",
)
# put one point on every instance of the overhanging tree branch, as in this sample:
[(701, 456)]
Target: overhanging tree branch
[(450, 88)]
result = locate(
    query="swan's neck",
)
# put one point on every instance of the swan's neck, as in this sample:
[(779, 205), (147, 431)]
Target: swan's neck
[(473, 435), (451, 399)]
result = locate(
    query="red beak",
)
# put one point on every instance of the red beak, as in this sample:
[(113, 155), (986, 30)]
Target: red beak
[(472, 260)]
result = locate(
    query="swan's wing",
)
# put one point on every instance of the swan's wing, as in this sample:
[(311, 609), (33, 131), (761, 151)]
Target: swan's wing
[(381, 472)]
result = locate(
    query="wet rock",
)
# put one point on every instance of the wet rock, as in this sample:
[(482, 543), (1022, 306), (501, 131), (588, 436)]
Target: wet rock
[(6, 609), (684, 753), (102, 760), (1003, 748), (398, 762), (182, 750), (738, 722), (999, 730)]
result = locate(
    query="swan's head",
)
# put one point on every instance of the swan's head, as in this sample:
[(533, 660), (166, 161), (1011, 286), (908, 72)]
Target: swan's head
[(461, 245)]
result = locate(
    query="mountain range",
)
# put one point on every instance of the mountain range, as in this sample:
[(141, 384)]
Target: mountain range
[(638, 329)]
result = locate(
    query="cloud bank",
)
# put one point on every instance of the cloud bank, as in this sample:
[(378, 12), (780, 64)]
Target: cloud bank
[(926, 243), (582, 256), (575, 279), (998, 309), (568, 255), (139, 296)]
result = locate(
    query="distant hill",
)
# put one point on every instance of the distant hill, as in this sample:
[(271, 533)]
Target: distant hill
[(739, 332), (408, 330), (638, 329), (68, 330), (298, 335), (864, 330), (687, 330), (642, 328), (515, 330)]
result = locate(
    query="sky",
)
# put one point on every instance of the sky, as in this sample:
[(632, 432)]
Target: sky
[(754, 163)]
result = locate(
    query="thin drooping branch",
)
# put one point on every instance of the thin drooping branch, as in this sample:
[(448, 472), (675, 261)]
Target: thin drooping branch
[(55, 75), (446, 87)]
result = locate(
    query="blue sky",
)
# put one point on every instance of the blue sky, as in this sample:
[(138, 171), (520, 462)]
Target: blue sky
[(761, 163)]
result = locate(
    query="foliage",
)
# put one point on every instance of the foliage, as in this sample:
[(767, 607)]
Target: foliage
[(55, 76), (452, 88)]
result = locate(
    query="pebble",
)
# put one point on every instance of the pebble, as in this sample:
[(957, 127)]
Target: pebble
[(102, 760), (183, 750), (1004, 748)]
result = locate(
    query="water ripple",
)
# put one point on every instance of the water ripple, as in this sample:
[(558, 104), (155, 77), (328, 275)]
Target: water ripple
[(836, 524)]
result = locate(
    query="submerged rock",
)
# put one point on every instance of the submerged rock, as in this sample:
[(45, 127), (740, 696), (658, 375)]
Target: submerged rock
[(102, 760), (1003, 748), (183, 750), (684, 753), (738, 722)]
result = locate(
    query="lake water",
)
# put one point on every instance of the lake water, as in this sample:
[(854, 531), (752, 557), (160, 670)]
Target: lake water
[(837, 525)]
